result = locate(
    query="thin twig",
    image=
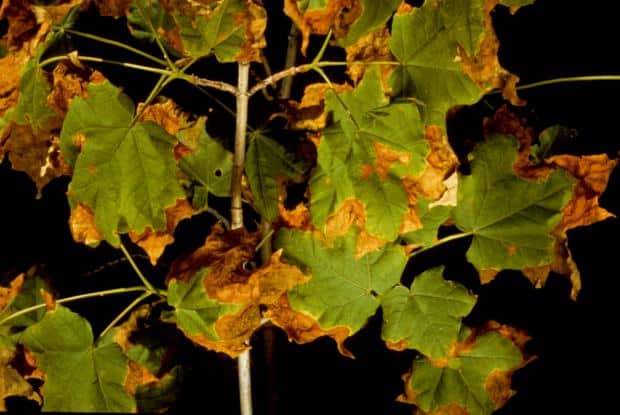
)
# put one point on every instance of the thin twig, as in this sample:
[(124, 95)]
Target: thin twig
[(278, 76), (117, 44), (222, 86)]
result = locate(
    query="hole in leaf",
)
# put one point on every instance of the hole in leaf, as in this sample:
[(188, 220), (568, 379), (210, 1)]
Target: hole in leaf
[(218, 172), (249, 265)]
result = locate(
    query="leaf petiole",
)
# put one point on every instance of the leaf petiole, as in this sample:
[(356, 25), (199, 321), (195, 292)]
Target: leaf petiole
[(74, 298), (125, 311), (117, 44), (108, 61), (442, 241), (149, 287), (569, 79)]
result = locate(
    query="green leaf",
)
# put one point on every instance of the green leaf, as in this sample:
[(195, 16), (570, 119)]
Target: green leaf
[(29, 295), (344, 290), (462, 381), (267, 164), (146, 17), (195, 313), (510, 218), (464, 20), (32, 108), (546, 140), (428, 316), (219, 32), (307, 5), (347, 165), (424, 41), (516, 3), (374, 14), (209, 164), (79, 376), (155, 397), (126, 172), (431, 219)]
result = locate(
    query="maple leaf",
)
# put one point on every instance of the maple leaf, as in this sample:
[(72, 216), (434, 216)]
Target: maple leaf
[(365, 155), (62, 343), (196, 314), (591, 174), (474, 380), (217, 302), (232, 30), (205, 162), (350, 20), (125, 172), (344, 291), (427, 317), (508, 233), (268, 165), (448, 55)]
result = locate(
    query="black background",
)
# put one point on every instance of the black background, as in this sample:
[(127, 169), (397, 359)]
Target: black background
[(573, 340)]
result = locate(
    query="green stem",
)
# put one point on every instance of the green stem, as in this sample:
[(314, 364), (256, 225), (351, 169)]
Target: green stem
[(73, 298), (117, 44), (108, 61), (319, 55), (443, 241), (123, 313), (265, 244), (569, 79), (147, 284)]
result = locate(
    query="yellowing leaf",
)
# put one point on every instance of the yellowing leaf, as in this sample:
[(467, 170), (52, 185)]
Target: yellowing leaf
[(474, 380), (125, 172), (310, 114), (343, 291), (365, 155), (233, 30), (154, 243), (508, 232), (12, 383)]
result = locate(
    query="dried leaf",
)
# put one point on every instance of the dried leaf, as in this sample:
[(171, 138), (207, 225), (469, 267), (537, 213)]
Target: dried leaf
[(298, 218), (317, 20), (302, 328), (82, 226), (8, 293), (484, 67), (69, 82), (154, 243), (255, 22), (310, 114), (113, 8), (12, 382), (371, 47), (165, 114)]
